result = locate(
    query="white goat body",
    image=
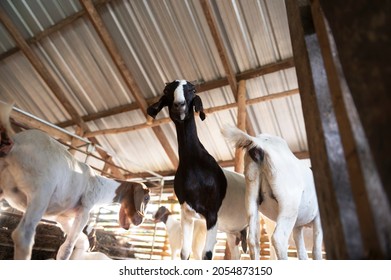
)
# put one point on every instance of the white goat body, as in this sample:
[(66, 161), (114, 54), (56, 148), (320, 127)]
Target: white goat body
[(174, 232), (40, 177), (285, 188)]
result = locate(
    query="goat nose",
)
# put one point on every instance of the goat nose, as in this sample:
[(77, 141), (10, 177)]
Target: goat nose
[(179, 104)]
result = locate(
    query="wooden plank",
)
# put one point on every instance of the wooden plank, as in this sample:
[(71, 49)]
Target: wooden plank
[(30, 122), (229, 71), (375, 214), (338, 213), (166, 145), (126, 74), (223, 54), (107, 40), (361, 31)]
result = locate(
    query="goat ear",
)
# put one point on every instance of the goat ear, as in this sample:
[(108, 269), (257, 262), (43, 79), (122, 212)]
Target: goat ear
[(198, 107), (155, 108)]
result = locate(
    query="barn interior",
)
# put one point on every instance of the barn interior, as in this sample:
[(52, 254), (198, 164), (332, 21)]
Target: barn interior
[(314, 72)]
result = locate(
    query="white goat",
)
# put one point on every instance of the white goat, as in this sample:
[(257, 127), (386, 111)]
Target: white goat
[(282, 188), (174, 232), (81, 250), (41, 178)]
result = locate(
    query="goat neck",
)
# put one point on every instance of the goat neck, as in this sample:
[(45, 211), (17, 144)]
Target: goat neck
[(188, 142)]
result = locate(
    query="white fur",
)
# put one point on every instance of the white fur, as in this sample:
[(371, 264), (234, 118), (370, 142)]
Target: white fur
[(179, 97), (288, 194), (81, 250), (174, 232), (41, 178), (307, 237), (232, 216)]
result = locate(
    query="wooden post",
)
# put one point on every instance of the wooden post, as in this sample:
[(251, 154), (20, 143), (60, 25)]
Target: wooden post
[(239, 153), (340, 222), (372, 206)]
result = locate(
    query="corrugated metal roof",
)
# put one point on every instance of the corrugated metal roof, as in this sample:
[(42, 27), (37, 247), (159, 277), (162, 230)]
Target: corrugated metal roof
[(159, 41)]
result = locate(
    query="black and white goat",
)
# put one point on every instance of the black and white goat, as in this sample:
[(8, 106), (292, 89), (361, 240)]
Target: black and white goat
[(41, 178), (282, 188), (203, 189)]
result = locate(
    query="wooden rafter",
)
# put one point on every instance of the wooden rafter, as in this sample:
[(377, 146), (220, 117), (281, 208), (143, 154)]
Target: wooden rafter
[(229, 71), (107, 40), (49, 79), (206, 110), (40, 68), (202, 87), (52, 29)]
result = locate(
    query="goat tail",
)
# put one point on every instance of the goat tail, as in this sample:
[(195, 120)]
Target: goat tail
[(5, 124), (238, 137), (245, 141)]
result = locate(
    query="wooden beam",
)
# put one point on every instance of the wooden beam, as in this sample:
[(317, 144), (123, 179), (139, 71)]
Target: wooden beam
[(103, 33), (340, 223), (30, 122), (46, 75), (241, 124), (223, 54), (107, 40), (372, 206), (206, 110), (362, 38), (75, 142), (52, 29), (166, 145), (202, 87)]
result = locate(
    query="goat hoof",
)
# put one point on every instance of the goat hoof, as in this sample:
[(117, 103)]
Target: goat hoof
[(183, 257), (208, 255)]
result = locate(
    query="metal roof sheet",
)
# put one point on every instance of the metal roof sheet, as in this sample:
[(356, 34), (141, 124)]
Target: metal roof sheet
[(159, 41)]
